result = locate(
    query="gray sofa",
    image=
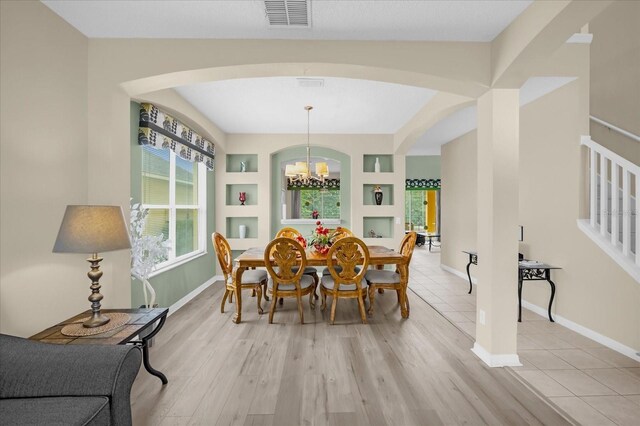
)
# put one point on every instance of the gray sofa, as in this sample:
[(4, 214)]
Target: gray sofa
[(46, 384)]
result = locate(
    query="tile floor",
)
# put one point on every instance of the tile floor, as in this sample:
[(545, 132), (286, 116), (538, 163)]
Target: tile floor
[(592, 383)]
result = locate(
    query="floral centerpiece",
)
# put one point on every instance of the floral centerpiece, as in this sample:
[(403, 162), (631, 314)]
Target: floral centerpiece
[(322, 238)]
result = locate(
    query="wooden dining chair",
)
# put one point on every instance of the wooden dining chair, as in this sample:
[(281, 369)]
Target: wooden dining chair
[(397, 280), (309, 270), (340, 232), (287, 277), (251, 279), (345, 280)]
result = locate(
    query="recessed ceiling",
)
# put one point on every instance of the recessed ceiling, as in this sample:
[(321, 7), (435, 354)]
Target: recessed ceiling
[(465, 120), (443, 20), (276, 105)]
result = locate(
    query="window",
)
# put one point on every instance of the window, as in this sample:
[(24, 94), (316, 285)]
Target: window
[(174, 191), (325, 202)]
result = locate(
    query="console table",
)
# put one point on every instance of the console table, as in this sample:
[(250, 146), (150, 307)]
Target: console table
[(526, 272), (425, 238), (140, 324)]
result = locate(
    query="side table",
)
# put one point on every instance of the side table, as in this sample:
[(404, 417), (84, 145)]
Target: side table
[(140, 324), (526, 272)]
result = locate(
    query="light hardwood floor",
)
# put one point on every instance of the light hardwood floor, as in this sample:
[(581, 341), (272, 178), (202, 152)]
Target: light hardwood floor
[(391, 371)]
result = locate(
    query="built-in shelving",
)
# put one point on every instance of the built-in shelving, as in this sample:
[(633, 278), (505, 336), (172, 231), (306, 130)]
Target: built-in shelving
[(381, 225), (233, 230), (369, 161), (368, 197), (234, 160), (233, 192)]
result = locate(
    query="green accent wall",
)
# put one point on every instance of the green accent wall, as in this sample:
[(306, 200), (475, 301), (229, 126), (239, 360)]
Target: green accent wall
[(175, 283), (422, 167), (276, 182)]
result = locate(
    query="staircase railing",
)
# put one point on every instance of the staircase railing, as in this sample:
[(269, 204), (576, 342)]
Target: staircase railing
[(614, 188)]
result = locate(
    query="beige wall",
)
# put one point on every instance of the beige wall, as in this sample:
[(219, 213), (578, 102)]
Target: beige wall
[(43, 71), (615, 66), (459, 200), (592, 290)]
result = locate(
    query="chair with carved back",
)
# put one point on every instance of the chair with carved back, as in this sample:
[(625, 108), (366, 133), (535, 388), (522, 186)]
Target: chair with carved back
[(339, 232), (251, 279), (397, 280), (345, 279), (285, 259), (294, 234)]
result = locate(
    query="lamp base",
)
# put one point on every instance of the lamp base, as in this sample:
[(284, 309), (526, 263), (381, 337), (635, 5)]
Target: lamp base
[(96, 320)]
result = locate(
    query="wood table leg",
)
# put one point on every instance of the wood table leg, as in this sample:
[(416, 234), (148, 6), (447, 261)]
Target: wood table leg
[(237, 279)]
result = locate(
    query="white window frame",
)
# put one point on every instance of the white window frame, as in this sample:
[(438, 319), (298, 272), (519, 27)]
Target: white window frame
[(173, 260)]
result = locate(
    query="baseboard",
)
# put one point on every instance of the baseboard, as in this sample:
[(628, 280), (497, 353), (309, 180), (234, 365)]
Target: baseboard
[(586, 332), (593, 335), (499, 360), (187, 298), (458, 273)]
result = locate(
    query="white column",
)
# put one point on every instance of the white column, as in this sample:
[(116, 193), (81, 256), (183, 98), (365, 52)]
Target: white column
[(498, 169)]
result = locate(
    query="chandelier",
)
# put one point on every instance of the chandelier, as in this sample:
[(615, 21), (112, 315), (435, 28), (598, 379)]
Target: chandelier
[(301, 170)]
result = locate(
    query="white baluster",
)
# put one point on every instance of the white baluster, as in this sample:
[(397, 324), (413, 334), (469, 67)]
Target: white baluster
[(603, 195), (592, 188), (615, 205), (637, 210), (626, 209)]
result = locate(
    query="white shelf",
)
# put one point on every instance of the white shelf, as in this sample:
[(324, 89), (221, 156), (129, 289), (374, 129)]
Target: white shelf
[(373, 210), (244, 177), (310, 221), (241, 211), (387, 242), (382, 178), (243, 243)]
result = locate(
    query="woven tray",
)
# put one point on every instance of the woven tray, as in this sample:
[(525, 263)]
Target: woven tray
[(76, 329)]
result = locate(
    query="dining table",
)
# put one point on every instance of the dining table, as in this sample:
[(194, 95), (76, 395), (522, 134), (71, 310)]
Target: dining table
[(254, 258)]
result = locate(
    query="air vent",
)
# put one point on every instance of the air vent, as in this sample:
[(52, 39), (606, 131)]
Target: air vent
[(310, 82), (288, 13)]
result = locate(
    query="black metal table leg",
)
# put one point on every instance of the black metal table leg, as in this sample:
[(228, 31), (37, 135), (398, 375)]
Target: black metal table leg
[(553, 293), (145, 352), (429, 244), (469, 274), (519, 297)]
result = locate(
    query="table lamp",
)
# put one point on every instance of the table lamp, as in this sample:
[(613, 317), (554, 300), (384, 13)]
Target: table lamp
[(93, 229)]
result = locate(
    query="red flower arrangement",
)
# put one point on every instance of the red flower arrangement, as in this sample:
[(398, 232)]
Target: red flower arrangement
[(302, 241), (322, 238)]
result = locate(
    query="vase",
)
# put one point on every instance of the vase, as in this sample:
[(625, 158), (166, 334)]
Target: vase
[(378, 197), (243, 166), (242, 230), (242, 197), (321, 250), (376, 167)]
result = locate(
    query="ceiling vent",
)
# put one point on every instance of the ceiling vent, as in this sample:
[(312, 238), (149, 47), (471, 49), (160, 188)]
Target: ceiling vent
[(310, 82), (288, 13)]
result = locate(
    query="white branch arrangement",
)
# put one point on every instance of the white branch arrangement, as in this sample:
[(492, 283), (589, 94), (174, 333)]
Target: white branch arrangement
[(146, 251)]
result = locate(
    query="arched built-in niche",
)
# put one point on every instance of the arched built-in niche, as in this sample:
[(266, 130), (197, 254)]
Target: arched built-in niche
[(297, 152)]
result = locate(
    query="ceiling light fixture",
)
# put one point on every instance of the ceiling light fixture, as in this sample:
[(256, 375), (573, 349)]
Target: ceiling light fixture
[(300, 171)]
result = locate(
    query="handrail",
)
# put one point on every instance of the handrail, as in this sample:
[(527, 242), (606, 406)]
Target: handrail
[(587, 141), (615, 128)]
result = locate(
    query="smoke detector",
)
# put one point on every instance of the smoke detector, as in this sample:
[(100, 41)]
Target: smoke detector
[(288, 13)]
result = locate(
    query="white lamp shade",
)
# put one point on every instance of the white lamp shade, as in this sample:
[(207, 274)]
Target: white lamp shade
[(92, 229), (322, 169), (290, 170), (301, 168)]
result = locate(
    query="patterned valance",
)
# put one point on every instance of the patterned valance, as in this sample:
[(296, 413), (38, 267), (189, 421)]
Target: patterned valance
[(422, 184), (330, 184), (162, 131)]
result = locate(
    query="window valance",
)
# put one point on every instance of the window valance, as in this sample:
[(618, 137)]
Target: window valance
[(330, 184), (422, 184), (162, 131)]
